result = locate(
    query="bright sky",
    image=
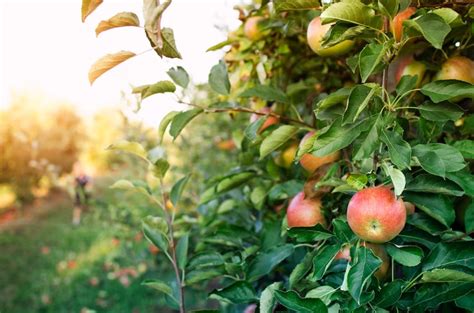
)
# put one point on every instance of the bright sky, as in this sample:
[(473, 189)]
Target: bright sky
[(44, 47)]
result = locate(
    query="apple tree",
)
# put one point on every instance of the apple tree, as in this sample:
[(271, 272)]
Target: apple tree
[(353, 187)]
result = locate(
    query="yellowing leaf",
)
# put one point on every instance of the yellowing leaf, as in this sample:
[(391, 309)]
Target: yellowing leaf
[(88, 6), (118, 20), (107, 62)]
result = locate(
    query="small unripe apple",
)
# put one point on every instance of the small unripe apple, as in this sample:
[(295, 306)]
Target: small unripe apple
[(376, 215), (251, 28), (459, 67), (408, 66), (410, 207), (270, 120), (304, 212), (378, 250), (250, 308), (396, 25), (287, 156), (311, 162), (315, 34)]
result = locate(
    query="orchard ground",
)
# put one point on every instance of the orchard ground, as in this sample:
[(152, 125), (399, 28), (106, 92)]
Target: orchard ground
[(50, 266)]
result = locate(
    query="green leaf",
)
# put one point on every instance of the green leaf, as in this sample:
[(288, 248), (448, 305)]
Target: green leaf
[(363, 267), (339, 96), (451, 17), (285, 190), (426, 223), (210, 259), (434, 184), (181, 119), (302, 268), (121, 19), (167, 47), (220, 45), (358, 100), (342, 230), (267, 93), (267, 298), (161, 287), (464, 180), (469, 217), (338, 137), (266, 261), (178, 189), (159, 168), (441, 112), (133, 186), (219, 78), (406, 83), (442, 90), (371, 141), (341, 32), (352, 11), (397, 177), (323, 293), (429, 296), (323, 259), (418, 236), (443, 275), (182, 251), (437, 206), (450, 254), (292, 301), (238, 292), (398, 149), (276, 139), (433, 28), (405, 255), (164, 124), (131, 147), (309, 234), (225, 184), (389, 294), (199, 275), (467, 301), (388, 7), (438, 158), (155, 230), (466, 147), (179, 76), (251, 131), (370, 58), (289, 5)]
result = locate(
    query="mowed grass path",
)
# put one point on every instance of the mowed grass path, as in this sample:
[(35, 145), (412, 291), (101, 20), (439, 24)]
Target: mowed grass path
[(47, 265)]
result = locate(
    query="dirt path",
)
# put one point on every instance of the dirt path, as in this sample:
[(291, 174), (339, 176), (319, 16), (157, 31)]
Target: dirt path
[(15, 218)]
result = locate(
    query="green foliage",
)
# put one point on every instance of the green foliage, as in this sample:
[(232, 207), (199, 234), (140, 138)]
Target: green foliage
[(410, 133)]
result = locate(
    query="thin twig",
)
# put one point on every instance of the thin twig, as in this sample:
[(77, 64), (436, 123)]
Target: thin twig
[(174, 261), (247, 110)]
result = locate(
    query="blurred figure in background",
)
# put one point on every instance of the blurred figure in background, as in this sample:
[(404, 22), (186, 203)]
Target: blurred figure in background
[(81, 196)]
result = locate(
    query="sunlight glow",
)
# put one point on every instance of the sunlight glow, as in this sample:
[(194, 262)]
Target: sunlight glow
[(45, 48)]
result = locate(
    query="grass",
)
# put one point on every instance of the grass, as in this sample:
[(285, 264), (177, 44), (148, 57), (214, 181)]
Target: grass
[(47, 265)]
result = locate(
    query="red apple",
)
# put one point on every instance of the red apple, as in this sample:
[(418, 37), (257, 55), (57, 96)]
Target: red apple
[(315, 34), (408, 66), (271, 120), (376, 215), (304, 212), (251, 28), (311, 162), (396, 25), (378, 250), (459, 67)]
